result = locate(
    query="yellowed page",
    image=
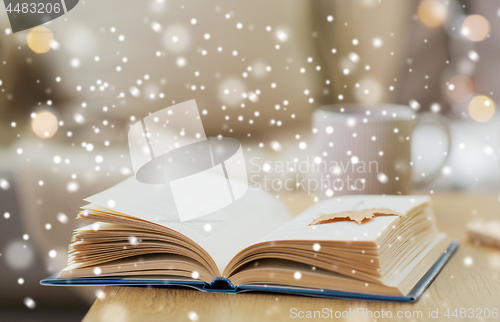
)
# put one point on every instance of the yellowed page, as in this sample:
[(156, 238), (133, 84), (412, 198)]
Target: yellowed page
[(345, 230), (222, 234)]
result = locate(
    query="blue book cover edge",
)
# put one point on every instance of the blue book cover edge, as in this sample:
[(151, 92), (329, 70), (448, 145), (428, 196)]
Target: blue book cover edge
[(223, 285)]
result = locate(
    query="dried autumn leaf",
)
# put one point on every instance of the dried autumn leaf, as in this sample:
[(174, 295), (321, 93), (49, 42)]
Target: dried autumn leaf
[(354, 215)]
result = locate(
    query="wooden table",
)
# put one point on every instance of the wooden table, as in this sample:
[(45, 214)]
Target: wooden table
[(470, 280)]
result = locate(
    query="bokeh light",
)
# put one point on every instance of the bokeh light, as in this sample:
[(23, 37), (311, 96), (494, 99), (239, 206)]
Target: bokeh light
[(80, 40), (176, 38), (369, 91), (476, 28), (481, 108), (460, 88), (282, 35), (29, 302), (258, 69), (44, 124), (40, 39), (432, 13), (230, 91), (19, 255), (157, 7)]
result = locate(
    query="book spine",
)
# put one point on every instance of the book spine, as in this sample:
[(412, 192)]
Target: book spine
[(220, 284)]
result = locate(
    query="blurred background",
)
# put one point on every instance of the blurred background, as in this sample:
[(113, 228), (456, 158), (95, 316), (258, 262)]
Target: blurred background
[(70, 89)]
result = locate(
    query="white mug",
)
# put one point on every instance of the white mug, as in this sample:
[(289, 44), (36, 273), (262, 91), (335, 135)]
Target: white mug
[(366, 149)]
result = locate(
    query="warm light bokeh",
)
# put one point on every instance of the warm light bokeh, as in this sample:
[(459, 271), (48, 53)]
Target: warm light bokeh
[(476, 28), (460, 88), (481, 108), (44, 124), (432, 13), (40, 39)]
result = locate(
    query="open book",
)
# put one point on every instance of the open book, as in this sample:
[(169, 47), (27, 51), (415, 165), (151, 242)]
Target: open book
[(137, 238)]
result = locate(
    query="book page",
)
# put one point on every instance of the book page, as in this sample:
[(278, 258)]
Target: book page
[(222, 233), (345, 230)]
